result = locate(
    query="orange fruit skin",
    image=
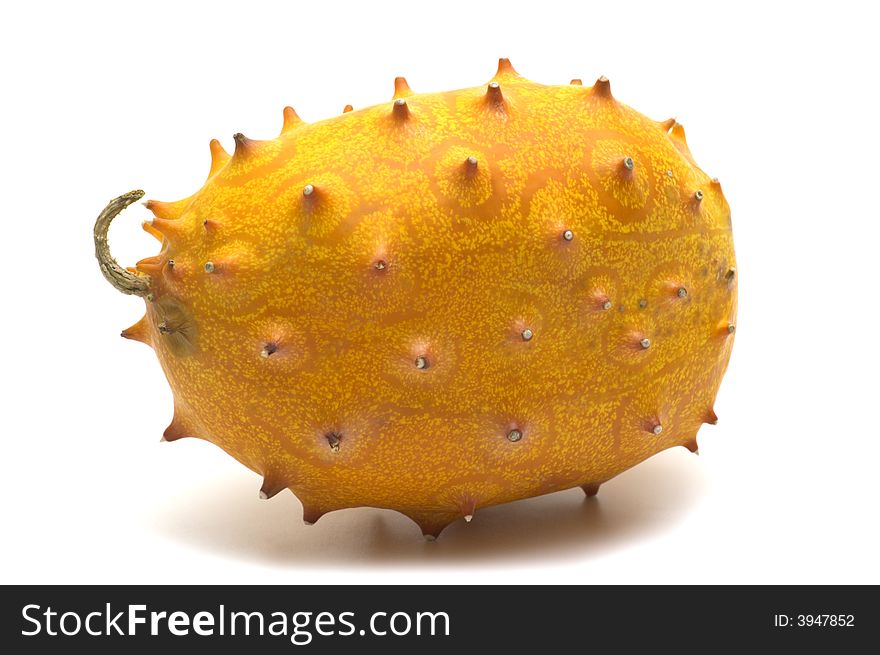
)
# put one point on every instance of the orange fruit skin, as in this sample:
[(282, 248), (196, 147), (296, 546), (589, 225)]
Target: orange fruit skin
[(489, 294)]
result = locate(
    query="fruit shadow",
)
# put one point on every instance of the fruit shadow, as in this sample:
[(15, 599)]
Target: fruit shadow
[(640, 503)]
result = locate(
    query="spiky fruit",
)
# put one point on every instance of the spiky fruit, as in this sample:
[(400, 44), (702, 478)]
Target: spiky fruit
[(447, 302)]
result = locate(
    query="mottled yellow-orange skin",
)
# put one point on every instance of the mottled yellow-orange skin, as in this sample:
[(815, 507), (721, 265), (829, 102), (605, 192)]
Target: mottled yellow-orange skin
[(300, 353)]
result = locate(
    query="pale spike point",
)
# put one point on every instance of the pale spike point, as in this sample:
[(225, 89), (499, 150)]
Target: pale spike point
[(401, 88), (468, 507), (271, 487), (602, 88), (219, 157), (692, 446), (347, 109), (291, 120), (400, 109), (494, 96), (577, 82)]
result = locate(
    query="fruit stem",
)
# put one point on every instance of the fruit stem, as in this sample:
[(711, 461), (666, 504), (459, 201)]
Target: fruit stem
[(122, 279)]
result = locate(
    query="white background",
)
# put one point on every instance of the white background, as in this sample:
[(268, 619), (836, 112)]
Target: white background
[(779, 101)]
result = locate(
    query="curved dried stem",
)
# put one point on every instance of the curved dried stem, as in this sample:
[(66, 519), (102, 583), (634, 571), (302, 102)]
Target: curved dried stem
[(124, 280)]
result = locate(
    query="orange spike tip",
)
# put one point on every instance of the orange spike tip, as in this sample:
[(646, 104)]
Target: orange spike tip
[(152, 231), (577, 82), (167, 227), (678, 138), (291, 120), (169, 210), (219, 157), (140, 331), (401, 88), (505, 70), (347, 109)]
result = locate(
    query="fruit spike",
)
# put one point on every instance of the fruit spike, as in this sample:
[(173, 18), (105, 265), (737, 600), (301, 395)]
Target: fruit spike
[(494, 96), (590, 489), (401, 88), (140, 331), (272, 486), (179, 428), (447, 301), (219, 157), (505, 70), (468, 507), (291, 120), (400, 109), (602, 88)]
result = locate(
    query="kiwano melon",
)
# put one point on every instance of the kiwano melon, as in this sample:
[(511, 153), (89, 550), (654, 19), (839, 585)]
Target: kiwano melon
[(445, 302)]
